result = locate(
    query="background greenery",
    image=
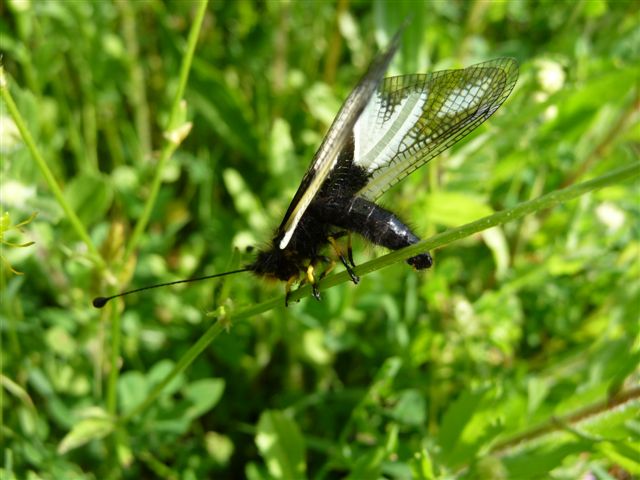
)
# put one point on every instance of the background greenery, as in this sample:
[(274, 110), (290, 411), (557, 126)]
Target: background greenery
[(515, 356)]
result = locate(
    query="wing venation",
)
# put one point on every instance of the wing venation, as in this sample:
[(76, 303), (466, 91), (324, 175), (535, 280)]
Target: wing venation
[(413, 118), (334, 142)]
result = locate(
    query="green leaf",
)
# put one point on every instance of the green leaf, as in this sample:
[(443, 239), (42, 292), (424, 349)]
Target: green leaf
[(281, 444), (537, 462), (625, 454), (61, 342), (225, 111), (17, 391), (368, 465), (322, 103), (411, 408), (95, 427), (246, 203), (452, 209), (219, 447), (159, 372), (132, 390), (204, 395), (470, 422), (90, 196), (456, 418), (422, 465)]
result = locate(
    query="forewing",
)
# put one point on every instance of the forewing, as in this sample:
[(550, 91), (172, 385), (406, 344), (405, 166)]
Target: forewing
[(338, 135), (413, 118)]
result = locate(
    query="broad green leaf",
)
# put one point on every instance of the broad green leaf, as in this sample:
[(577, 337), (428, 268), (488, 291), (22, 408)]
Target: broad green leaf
[(98, 426), (537, 389), (625, 454), (457, 417), (90, 195), (204, 395), (60, 341), (219, 447), (160, 371), (368, 465), (132, 390), (17, 391), (281, 445), (533, 463), (469, 423), (615, 424), (225, 111), (410, 408)]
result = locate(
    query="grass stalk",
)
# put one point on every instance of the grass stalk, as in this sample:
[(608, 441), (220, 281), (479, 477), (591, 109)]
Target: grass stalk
[(169, 148), (543, 202), (170, 144), (525, 208), (50, 179)]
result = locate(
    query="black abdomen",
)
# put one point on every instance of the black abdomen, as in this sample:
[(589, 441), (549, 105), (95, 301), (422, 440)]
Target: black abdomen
[(376, 224)]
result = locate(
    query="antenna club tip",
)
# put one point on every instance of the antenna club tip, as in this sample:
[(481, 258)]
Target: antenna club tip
[(100, 302)]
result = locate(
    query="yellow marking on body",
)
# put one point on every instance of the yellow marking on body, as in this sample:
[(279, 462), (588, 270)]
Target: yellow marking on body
[(310, 276)]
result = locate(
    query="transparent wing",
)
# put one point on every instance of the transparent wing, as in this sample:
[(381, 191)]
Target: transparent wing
[(338, 135), (412, 118)]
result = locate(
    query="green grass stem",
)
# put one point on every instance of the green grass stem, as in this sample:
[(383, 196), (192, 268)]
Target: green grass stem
[(541, 203), (170, 145), (51, 181)]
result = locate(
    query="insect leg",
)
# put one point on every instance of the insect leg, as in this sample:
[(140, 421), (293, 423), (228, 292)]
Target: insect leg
[(381, 227), (287, 290), (331, 262), (350, 251), (312, 281), (332, 240)]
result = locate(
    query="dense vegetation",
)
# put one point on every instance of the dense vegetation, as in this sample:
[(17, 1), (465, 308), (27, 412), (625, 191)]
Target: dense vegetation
[(515, 356)]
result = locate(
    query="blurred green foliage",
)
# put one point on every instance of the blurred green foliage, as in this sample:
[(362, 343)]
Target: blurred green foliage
[(407, 375)]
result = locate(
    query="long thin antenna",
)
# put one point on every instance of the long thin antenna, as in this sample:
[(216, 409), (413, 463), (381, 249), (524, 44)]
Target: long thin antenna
[(100, 302)]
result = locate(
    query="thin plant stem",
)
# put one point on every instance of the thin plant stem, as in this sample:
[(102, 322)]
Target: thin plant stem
[(114, 376), (170, 144), (187, 359), (114, 372), (169, 148), (541, 203), (509, 215), (572, 418), (51, 181), (565, 423)]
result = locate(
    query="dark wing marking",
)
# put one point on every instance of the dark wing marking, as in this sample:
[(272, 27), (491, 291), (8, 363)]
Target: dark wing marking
[(413, 118), (339, 133)]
